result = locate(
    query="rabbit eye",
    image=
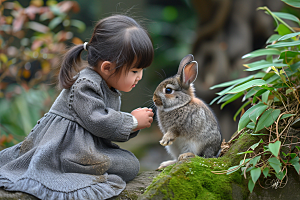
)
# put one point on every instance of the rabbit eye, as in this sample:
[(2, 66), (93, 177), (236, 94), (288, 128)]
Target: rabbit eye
[(168, 90)]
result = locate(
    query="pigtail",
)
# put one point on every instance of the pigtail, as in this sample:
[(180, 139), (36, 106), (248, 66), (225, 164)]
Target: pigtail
[(70, 66)]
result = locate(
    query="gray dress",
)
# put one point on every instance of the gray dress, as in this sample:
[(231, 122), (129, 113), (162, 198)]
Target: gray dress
[(69, 153)]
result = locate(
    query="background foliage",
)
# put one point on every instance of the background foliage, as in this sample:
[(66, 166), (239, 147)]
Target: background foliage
[(32, 40), (273, 95)]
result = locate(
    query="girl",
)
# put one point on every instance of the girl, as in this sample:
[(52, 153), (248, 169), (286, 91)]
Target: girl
[(69, 154)]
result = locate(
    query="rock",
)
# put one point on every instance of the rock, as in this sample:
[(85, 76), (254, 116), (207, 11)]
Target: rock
[(288, 191), (137, 186), (132, 191), (6, 195)]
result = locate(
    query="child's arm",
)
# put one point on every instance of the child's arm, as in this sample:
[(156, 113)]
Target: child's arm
[(144, 117), (97, 118)]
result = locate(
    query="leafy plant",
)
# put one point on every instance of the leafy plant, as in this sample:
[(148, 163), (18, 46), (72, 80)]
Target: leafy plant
[(32, 40), (273, 96)]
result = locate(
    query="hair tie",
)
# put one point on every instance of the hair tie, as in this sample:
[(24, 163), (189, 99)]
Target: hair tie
[(84, 45)]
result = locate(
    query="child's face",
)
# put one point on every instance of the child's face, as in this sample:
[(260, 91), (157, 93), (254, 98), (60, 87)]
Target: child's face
[(126, 81)]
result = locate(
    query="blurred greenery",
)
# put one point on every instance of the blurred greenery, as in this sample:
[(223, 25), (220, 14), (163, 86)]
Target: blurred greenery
[(33, 38), (34, 34)]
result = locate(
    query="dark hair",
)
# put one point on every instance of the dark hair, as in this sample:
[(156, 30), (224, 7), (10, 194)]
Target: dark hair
[(118, 39)]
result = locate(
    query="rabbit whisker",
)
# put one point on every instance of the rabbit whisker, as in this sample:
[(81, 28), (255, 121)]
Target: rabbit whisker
[(148, 90), (160, 76), (164, 73)]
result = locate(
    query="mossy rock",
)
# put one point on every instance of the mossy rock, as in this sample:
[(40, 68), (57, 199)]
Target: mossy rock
[(7, 195), (132, 191), (194, 178)]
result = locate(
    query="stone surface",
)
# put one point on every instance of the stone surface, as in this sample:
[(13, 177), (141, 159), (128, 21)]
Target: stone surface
[(137, 186), (6, 195), (288, 191), (132, 191)]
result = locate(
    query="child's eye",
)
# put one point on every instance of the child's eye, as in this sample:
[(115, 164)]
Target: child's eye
[(135, 72)]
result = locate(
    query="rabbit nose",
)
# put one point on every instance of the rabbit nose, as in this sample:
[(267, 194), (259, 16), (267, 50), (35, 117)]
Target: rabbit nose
[(154, 98)]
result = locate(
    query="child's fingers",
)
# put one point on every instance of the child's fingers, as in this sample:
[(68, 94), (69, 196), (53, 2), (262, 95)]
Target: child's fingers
[(151, 114), (151, 120)]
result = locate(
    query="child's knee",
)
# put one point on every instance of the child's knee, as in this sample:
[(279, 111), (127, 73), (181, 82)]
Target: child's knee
[(133, 168), (125, 165)]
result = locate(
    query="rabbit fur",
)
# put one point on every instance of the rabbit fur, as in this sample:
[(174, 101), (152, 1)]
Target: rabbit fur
[(187, 123)]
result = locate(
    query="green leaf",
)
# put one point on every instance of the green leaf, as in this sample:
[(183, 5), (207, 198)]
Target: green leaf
[(293, 155), (286, 116), (226, 90), (275, 164), (245, 119), (54, 22), (282, 29), (255, 174), (225, 98), (293, 69), (237, 81), (294, 160), (274, 148), (236, 96), (287, 56), (280, 175), (284, 44), (251, 185), (253, 147), (257, 112), (257, 63), (215, 99), (251, 125), (287, 16), (273, 78), (251, 92), (266, 172), (240, 109), (266, 65), (254, 160), (297, 167), (240, 153), (288, 36), (265, 96), (247, 85), (55, 9), (78, 24), (267, 119), (262, 52), (260, 92), (293, 3), (273, 38)]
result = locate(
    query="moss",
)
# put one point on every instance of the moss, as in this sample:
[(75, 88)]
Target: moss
[(194, 179), (241, 145)]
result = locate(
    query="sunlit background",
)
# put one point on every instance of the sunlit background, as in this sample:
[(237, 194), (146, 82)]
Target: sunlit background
[(35, 33)]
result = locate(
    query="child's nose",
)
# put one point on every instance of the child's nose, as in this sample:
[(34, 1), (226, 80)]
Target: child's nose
[(140, 75)]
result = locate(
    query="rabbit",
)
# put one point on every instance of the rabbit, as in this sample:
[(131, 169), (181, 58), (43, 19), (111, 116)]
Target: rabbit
[(188, 125)]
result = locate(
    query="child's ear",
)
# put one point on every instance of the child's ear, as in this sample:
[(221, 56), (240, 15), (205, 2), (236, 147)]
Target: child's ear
[(106, 68)]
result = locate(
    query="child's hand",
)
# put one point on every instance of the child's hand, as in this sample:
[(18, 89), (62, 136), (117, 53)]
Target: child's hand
[(144, 117)]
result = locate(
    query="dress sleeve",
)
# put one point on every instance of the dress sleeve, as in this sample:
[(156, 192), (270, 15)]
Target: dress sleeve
[(93, 115)]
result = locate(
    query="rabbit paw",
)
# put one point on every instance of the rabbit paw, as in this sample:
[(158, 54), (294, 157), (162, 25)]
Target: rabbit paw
[(165, 141), (165, 164), (185, 156)]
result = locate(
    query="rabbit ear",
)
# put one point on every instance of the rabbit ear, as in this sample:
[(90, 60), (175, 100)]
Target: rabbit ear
[(189, 73), (188, 58)]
